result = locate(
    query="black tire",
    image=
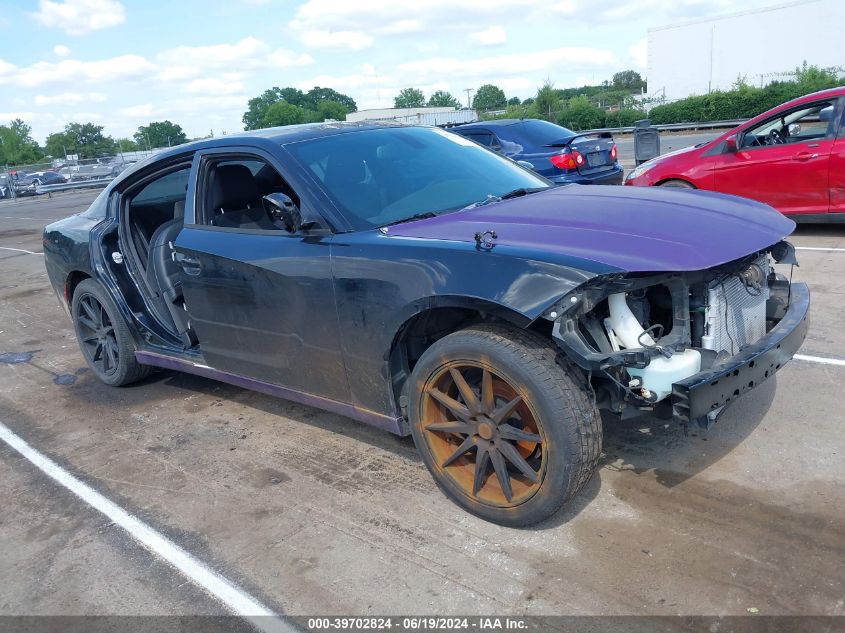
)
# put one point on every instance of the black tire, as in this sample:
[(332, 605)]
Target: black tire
[(556, 397), (677, 184), (103, 336)]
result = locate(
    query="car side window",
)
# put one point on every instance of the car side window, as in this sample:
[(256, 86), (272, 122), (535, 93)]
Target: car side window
[(233, 192), (487, 139), (808, 122)]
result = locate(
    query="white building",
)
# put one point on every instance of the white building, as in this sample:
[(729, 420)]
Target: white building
[(423, 116), (760, 45)]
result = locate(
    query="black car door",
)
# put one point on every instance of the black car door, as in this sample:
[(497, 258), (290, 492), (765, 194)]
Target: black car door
[(260, 299)]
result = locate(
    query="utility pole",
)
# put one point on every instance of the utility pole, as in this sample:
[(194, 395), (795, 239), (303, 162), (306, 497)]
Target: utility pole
[(469, 91)]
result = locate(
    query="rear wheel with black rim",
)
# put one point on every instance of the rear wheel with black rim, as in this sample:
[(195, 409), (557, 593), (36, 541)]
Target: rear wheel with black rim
[(103, 337), (507, 432)]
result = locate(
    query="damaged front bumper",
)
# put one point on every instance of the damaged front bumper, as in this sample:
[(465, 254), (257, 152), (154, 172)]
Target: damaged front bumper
[(707, 392)]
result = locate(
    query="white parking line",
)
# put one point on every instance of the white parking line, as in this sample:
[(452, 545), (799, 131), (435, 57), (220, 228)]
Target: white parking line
[(19, 250), (234, 598), (819, 248), (820, 359)]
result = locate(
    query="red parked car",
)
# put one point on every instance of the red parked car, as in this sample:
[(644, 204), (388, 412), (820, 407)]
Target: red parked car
[(791, 157)]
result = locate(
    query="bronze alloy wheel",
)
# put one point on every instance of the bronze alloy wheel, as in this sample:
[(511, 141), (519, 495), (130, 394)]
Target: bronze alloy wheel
[(483, 433)]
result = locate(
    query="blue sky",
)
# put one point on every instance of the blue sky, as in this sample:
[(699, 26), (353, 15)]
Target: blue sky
[(122, 64)]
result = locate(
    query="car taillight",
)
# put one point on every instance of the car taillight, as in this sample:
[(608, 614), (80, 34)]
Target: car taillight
[(613, 152), (569, 160)]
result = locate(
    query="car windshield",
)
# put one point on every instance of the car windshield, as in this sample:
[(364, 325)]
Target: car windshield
[(383, 176), (541, 133)]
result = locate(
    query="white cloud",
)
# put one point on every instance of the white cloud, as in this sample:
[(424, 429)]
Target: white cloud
[(493, 36), (401, 27), (179, 73), (60, 50), (249, 52), (381, 16), (69, 97), (78, 17), (74, 71), (214, 86), (336, 40), (141, 110), (516, 64), (6, 68), (639, 53)]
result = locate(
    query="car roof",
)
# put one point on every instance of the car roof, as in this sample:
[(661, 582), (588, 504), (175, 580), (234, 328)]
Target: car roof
[(491, 123), (282, 135)]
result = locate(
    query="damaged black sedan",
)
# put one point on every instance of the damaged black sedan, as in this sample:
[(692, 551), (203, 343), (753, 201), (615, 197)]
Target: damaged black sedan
[(408, 278)]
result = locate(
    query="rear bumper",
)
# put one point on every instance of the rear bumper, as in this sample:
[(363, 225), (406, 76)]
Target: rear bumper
[(612, 177), (709, 391)]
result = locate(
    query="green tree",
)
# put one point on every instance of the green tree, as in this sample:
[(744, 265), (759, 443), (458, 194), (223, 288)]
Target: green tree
[(317, 95), (85, 139), (257, 107), (409, 98), (547, 103), (580, 114), (283, 113), (443, 99), (629, 80), (309, 102), (489, 97), (514, 101), (16, 144), (160, 134), (331, 110), (127, 145)]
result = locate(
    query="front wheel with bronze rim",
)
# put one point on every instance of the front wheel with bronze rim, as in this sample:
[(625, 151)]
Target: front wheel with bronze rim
[(508, 432)]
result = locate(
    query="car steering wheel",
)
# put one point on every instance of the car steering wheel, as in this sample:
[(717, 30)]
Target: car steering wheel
[(774, 138)]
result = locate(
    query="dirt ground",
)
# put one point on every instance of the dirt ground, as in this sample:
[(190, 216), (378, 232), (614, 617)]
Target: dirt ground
[(315, 514)]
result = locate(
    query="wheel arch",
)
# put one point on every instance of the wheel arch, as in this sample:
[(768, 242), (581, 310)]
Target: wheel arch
[(74, 278), (663, 181), (444, 315)]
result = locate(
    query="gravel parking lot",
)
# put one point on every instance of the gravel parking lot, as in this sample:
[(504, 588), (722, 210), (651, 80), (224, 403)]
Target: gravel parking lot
[(311, 513)]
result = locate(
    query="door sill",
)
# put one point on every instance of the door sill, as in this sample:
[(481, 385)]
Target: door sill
[(395, 424)]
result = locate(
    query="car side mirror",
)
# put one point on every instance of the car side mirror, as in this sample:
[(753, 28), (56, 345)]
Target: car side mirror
[(281, 208), (731, 143)]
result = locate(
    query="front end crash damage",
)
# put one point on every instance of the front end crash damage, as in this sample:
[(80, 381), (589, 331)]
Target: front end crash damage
[(683, 344)]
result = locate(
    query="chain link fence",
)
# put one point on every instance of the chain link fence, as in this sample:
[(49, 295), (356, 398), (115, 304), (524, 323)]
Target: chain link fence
[(18, 181)]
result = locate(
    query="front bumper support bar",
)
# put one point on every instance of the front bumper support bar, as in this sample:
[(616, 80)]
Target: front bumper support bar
[(710, 390)]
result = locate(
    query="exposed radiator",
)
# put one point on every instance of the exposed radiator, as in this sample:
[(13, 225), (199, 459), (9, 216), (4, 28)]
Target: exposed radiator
[(735, 316)]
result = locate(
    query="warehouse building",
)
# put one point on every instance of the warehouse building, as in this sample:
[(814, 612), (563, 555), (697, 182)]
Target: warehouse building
[(760, 45)]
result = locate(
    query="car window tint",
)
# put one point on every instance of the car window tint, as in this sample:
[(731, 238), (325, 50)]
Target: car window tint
[(482, 138), (170, 187), (807, 122), (385, 175), (234, 189), (537, 132)]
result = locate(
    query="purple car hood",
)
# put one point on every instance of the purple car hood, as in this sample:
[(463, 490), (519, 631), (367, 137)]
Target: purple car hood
[(636, 229)]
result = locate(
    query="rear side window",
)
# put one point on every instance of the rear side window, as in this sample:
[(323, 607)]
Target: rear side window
[(168, 188), (541, 133), (482, 138)]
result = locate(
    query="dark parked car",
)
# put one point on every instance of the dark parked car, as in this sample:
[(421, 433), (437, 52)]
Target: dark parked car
[(29, 183), (559, 154), (46, 178), (410, 279)]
